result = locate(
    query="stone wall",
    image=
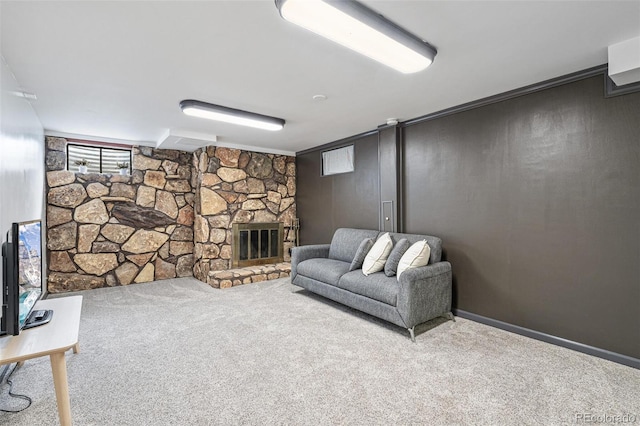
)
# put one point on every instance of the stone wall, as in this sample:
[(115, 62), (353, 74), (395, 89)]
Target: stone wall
[(170, 218), (238, 186), (108, 230)]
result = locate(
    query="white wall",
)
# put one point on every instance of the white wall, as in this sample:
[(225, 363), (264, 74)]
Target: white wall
[(21, 157)]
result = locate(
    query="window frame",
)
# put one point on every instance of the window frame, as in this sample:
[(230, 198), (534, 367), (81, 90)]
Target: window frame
[(100, 147)]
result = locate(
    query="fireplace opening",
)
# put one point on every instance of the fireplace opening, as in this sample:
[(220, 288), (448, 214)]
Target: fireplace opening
[(257, 243)]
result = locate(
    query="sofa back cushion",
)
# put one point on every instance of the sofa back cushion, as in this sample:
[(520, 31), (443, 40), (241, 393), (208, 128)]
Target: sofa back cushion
[(417, 255), (346, 241), (375, 260), (435, 244), (361, 253), (391, 267)]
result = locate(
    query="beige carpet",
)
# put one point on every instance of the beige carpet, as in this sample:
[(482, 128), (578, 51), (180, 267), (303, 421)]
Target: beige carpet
[(177, 352)]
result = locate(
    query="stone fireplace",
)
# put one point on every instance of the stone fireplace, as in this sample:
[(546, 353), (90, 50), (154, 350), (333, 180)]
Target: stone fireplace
[(257, 243), (236, 189)]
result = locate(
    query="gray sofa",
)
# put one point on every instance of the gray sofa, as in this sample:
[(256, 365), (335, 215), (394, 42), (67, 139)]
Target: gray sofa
[(421, 294)]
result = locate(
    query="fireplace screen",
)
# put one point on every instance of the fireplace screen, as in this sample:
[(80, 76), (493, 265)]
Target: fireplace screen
[(257, 243)]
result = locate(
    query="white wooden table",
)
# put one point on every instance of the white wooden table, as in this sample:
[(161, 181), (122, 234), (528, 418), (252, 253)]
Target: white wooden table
[(53, 340)]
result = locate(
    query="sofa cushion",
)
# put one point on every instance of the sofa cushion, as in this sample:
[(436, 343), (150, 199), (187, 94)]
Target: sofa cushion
[(417, 255), (364, 248), (397, 251), (377, 256), (375, 286), (435, 244), (324, 270), (345, 242)]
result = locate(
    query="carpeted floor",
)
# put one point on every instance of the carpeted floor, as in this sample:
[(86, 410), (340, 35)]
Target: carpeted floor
[(178, 352)]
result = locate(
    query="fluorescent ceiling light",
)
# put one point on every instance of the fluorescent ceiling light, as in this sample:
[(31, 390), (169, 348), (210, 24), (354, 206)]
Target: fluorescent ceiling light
[(357, 27), (230, 115)]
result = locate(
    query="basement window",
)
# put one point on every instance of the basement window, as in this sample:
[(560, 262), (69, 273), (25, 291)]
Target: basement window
[(98, 159), (339, 160)]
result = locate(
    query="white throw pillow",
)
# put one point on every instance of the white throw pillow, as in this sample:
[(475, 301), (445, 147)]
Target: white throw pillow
[(377, 256), (417, 255)]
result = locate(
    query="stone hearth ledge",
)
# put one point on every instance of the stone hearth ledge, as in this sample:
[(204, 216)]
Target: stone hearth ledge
[(250, 274)]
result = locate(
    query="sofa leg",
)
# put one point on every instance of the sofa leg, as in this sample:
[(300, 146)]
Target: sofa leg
[(412, 334), (451, 317)]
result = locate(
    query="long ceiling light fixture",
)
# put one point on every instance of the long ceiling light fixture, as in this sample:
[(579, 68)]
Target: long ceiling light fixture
[(357, 27), (230, 115)]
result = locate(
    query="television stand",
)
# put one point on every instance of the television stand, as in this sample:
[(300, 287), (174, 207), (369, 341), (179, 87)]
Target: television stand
[(52, 340), (39, 317)]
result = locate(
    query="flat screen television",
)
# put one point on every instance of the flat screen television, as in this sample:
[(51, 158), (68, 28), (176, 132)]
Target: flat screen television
[(22, 284)]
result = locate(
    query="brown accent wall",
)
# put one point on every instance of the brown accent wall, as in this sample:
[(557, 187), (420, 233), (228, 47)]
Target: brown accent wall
[(537, 200), (326, 203)]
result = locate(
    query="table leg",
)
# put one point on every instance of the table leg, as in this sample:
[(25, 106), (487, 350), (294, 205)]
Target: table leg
[(59, 370), (76, 348)]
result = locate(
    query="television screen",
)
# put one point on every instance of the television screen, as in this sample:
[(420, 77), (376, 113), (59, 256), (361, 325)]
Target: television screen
[(29, 268)]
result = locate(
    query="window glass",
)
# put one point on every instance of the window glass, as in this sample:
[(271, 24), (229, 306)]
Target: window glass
[(97, 159)]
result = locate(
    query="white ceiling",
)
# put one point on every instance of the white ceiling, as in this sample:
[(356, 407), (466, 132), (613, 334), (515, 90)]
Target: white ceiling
[(117, 70)]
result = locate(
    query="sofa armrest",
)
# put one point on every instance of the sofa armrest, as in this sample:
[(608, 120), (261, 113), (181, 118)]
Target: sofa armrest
[(425, 293), (302, 253)]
